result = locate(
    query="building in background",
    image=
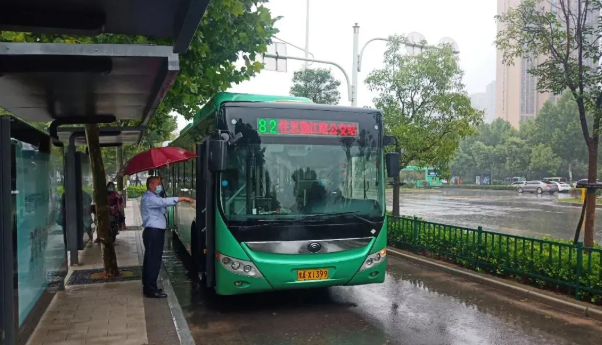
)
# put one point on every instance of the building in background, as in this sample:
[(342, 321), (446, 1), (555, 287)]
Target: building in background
[(485, 101), (490, 91), (517, 97), (479, 101)]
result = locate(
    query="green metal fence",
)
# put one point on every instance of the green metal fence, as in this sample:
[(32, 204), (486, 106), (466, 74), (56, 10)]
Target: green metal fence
[(546, 263)]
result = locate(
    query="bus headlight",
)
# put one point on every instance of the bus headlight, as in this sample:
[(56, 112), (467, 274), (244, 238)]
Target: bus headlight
[(373, 260), (242, 267)]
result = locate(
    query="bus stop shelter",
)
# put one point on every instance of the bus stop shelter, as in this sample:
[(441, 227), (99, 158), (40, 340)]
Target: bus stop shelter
[(78, 180), (69, 85)]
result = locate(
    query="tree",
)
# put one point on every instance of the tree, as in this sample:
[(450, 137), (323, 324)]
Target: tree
[(558, 125), (462, 164), (543, 161), (483, 156), (566, 34), (424, 103), (230, 29), (518, 154), (317, 84), (496, 133)]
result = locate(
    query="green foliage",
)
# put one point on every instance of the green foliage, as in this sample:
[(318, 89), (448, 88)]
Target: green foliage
[(551, 264), (543, 160), (229, 29), (136, 191), (477, 186), (423, 102), (550, 144), (317, 84)]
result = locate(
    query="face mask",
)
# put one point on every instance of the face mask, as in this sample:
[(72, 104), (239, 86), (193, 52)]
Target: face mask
[(111, 190), (159, 189), (324, 182)]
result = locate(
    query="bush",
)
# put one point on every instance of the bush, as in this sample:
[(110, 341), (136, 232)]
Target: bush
[(484, 187), (549, 263), (136, 191)]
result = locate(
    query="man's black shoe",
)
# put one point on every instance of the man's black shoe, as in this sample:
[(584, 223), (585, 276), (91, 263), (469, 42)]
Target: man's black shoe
[(155, 295)]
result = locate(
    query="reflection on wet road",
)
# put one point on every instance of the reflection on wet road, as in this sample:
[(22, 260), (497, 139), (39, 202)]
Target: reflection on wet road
[(501, 211), (414, 306)]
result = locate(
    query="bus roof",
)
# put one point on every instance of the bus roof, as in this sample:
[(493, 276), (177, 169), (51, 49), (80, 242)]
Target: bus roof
[(215, 102)]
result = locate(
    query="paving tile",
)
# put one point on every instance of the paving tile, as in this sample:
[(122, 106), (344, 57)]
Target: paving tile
[(107, 313), (66, 342), (91, 334), (116, 339)]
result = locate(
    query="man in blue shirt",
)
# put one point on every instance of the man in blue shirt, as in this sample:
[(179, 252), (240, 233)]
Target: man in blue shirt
[(153, 208)]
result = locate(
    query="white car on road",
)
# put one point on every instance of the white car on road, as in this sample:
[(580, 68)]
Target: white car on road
[(562, 187)]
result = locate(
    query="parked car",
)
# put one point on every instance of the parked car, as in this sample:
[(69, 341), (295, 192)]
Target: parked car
[(584, 181), (562, 187), (538, 187), (519, 183)]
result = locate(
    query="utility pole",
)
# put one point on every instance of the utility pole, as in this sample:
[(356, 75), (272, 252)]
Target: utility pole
[(307, 36), (356, 40)]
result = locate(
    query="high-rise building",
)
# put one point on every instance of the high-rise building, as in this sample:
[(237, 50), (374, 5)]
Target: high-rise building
[(491, 95), (517, 97), (485, 101)]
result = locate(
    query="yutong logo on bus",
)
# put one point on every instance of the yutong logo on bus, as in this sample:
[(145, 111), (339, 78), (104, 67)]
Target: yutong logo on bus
[(314, 247)]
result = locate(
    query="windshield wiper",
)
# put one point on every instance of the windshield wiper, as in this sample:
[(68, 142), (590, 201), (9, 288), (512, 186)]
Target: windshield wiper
[(267, 223), (308, 217), (330, 215)]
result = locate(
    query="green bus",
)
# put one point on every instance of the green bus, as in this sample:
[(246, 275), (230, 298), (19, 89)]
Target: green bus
[(289, 194), (420, 177)]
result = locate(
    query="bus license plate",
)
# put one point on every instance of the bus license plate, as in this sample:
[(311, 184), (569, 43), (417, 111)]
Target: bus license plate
[(318, 274)]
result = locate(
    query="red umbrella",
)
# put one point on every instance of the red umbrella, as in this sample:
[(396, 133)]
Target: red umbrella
[(156, 158)]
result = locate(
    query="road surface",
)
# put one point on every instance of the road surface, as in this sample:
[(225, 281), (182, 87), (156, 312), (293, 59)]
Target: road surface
[(508, 212), (414, 306)]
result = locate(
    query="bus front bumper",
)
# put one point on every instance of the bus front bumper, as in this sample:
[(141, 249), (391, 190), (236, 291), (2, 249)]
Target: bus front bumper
[(281, 272)]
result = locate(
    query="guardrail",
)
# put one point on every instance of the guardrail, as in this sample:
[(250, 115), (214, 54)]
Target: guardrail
[(552, 264)]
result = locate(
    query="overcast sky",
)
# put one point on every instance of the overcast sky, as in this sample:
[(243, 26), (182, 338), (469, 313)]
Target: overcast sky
[(469, 22)]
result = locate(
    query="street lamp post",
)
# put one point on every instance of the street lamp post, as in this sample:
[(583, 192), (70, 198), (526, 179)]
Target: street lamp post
[(307, 35), (284, 57), (415, 39)]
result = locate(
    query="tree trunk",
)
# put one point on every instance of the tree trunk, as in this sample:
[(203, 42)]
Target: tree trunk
[(101, 199), (570, 171), (120, 178), (592, 174), (119, 165)]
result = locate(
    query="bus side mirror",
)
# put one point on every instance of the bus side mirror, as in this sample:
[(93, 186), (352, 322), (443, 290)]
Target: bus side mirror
[(217, 155), (393, 166), (389, 140)]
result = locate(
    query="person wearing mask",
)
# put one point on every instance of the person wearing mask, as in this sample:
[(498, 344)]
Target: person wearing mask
[(153, 209), (115, 205)]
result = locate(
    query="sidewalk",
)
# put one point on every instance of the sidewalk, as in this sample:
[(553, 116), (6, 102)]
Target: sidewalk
[(90, 311)]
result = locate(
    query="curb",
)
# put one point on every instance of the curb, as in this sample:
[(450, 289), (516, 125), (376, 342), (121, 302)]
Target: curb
[(177, 315), (573, 204), (518, 291), (179, 321)]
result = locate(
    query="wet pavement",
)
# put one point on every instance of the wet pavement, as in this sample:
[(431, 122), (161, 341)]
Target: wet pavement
[(501, 211), (414, 306)]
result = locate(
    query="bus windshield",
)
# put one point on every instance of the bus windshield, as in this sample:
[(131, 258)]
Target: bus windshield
[(280, 180)]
